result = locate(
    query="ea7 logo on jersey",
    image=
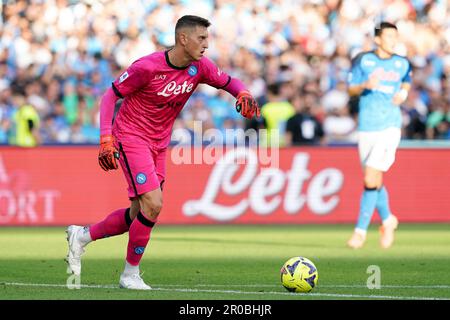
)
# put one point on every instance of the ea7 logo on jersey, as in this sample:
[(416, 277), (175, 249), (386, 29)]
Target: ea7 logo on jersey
[(173, 88), (123, 77)]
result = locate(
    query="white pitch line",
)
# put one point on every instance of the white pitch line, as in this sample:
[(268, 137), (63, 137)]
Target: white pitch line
[(388, 286), (331, 295)]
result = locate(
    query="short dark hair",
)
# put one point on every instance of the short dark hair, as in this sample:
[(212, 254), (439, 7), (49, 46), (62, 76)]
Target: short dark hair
[(383, 25), (191, 21)]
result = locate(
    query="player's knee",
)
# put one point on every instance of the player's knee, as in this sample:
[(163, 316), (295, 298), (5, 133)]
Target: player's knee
[(371, 182), (157, 207), (135, 207), (152, 206)]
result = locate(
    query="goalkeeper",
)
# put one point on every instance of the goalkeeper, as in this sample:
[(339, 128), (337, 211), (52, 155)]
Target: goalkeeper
[(154, 90)]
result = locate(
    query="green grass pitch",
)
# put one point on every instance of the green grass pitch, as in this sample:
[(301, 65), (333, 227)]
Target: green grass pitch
[(230, 262)]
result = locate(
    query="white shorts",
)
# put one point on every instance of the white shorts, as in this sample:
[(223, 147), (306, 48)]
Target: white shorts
[(377, 148)]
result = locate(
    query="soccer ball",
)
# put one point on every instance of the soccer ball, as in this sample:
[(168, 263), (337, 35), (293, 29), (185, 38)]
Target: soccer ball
[(299, 274)]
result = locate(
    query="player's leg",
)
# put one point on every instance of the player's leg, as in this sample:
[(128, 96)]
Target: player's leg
[(372, 178), (146, 186), (116, 223), (139, 236), (389, 221), (135, 207), (372, 181)]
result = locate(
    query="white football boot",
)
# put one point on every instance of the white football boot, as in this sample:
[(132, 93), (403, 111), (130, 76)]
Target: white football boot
[(387, 231), (357, 240), (76, 249), (133, 281)]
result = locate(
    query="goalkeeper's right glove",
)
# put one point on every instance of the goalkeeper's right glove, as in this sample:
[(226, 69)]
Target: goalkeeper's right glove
[(247, 105), (108, 153)]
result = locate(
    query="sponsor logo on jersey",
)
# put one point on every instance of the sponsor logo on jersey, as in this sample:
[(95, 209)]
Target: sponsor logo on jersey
[(398, 64), (192, 71), (382, 74), (123, 77), (141, 178), (173, 88)]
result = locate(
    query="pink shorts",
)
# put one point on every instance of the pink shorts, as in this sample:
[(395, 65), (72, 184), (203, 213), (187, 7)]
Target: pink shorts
[(144, 167)]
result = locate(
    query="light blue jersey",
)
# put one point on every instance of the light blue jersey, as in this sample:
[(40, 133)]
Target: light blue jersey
[(376, 109)]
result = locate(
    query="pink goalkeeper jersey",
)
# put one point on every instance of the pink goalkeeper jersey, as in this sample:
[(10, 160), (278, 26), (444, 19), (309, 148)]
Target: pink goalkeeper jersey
[(154, 93)]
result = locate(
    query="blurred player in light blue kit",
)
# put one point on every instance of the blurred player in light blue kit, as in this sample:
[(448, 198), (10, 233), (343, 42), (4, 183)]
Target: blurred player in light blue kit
[(381, 79)]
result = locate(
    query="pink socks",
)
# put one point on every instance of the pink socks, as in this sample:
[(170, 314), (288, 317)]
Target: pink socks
[(116, 223), (139, 235)]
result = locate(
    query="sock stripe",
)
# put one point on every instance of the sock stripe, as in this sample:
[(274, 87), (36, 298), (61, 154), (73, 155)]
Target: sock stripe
[(370, 189), (145, 221), (128, 220)]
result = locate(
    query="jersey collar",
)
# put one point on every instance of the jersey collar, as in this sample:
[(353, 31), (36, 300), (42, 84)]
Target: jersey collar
[(166, 54)]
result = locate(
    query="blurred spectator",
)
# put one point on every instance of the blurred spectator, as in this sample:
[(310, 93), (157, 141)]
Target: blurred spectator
[(67, 52), (275, 114), (438, 123), (414, 112), (303, 128), (27, 126), (339, 126)]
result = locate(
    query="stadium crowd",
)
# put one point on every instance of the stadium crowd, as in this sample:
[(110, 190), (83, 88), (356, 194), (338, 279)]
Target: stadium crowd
[(57, 57)]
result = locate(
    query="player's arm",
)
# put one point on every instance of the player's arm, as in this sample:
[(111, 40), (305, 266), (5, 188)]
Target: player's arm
[(357, 89), (213, 76), (130, 81), (401, 96), (108, 153), (245, 103), (357, 81)]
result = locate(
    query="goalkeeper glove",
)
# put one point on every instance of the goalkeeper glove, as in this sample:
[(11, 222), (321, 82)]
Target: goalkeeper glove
[(247, 105), (108, 153)]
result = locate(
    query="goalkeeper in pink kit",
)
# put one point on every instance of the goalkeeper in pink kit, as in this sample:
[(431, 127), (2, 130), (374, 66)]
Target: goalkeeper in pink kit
[(154, 90)]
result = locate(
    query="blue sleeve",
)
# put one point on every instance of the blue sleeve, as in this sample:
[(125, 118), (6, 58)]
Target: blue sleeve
[(408, 75), (356, 75)]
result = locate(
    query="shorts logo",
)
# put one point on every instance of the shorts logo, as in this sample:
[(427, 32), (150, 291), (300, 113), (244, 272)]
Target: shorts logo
[(123, 77), (139, 250), (192, 71), (141, 178)]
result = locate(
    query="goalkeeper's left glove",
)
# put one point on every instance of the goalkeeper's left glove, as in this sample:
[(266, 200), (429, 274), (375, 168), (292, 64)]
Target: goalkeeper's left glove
[(247, 105)]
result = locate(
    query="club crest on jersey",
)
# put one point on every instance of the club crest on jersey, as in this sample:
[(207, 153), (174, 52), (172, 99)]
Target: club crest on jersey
[(123, 77), (141, 178), (192, 71)]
